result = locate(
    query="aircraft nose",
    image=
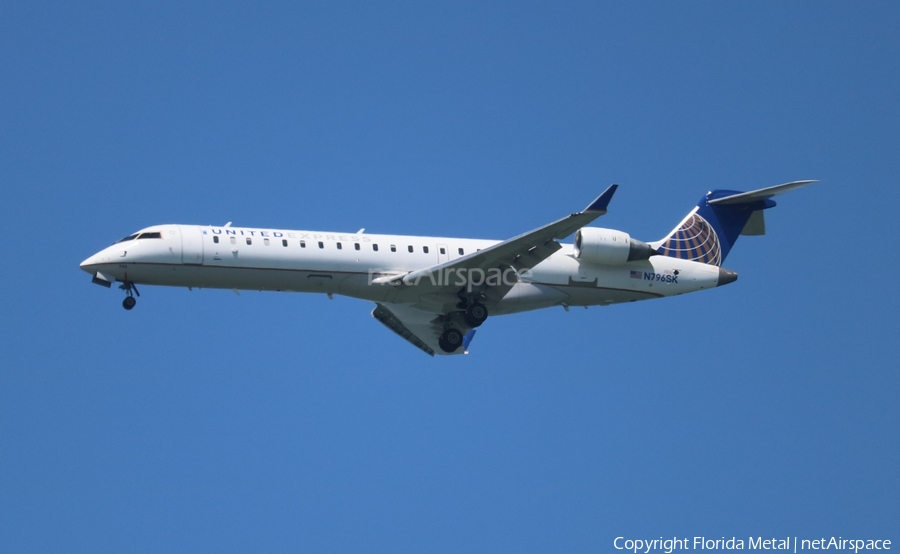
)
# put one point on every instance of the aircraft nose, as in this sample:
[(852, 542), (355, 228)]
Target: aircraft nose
[(86, 265)]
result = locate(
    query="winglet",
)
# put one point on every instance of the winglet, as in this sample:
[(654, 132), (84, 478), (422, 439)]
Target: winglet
[(602, 201), (467, 340)]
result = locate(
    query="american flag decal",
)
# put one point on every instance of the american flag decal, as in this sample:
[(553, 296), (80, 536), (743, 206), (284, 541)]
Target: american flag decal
[(637, 275)]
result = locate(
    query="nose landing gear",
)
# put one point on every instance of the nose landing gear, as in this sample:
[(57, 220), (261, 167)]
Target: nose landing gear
[(130, 289)]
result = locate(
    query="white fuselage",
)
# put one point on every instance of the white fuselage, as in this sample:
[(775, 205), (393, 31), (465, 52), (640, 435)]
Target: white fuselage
[(346, 263)]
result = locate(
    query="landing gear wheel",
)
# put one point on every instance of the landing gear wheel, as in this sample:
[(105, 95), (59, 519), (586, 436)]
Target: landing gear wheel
[(130, 289), (476, 314), (444, 346), (450, 341)]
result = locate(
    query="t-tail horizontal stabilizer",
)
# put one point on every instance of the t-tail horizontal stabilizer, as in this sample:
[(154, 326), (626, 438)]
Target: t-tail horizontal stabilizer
[(711, 229), (761, 194)]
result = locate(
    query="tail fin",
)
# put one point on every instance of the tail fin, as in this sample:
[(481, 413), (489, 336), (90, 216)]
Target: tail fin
[(711, 229)]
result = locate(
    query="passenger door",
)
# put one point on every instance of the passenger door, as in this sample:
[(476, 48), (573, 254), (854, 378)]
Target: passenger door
[(191, 244)]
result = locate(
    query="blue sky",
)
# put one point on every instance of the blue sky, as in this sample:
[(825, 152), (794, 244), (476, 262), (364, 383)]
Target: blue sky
[(206, 421)]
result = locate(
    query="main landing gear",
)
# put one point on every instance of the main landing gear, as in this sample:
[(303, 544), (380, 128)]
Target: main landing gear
[(450, 340), (472, 313), (476, 314), (130, 289)]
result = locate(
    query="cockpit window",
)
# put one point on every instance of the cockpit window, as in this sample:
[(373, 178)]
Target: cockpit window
[(148, 235)]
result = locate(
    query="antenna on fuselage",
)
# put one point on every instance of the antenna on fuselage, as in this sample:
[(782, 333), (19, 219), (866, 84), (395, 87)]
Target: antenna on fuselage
[(227, 224), (361, 231)]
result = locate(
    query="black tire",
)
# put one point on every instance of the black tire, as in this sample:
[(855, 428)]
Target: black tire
[(451, 340), (129, 302), (453, 337), (446, 347), (476, 314)]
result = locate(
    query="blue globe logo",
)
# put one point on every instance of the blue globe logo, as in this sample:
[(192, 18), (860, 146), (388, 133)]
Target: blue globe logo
[(694, 240)]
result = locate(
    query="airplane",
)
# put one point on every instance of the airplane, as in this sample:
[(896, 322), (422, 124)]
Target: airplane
[(435, 291)]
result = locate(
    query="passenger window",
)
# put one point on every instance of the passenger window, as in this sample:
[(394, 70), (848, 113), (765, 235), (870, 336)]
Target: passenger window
[(283, 242), (249, 240), (393, 248), (425, 249), (339, 246), (216, 240), (460, 251), (443, 251), (233, 240), (356, 246), (302, 244), (266, 242), (375, 247), (321, 244), (410, 248)]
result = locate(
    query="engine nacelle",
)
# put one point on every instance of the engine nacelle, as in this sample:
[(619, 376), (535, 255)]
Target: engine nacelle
[(609, 247)]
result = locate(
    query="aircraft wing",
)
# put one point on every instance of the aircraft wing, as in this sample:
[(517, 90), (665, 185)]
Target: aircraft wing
[(434, 288), (421, 329), (425, 300)]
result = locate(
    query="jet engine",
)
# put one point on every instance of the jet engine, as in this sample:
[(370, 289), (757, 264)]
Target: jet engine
[(609, 247)]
